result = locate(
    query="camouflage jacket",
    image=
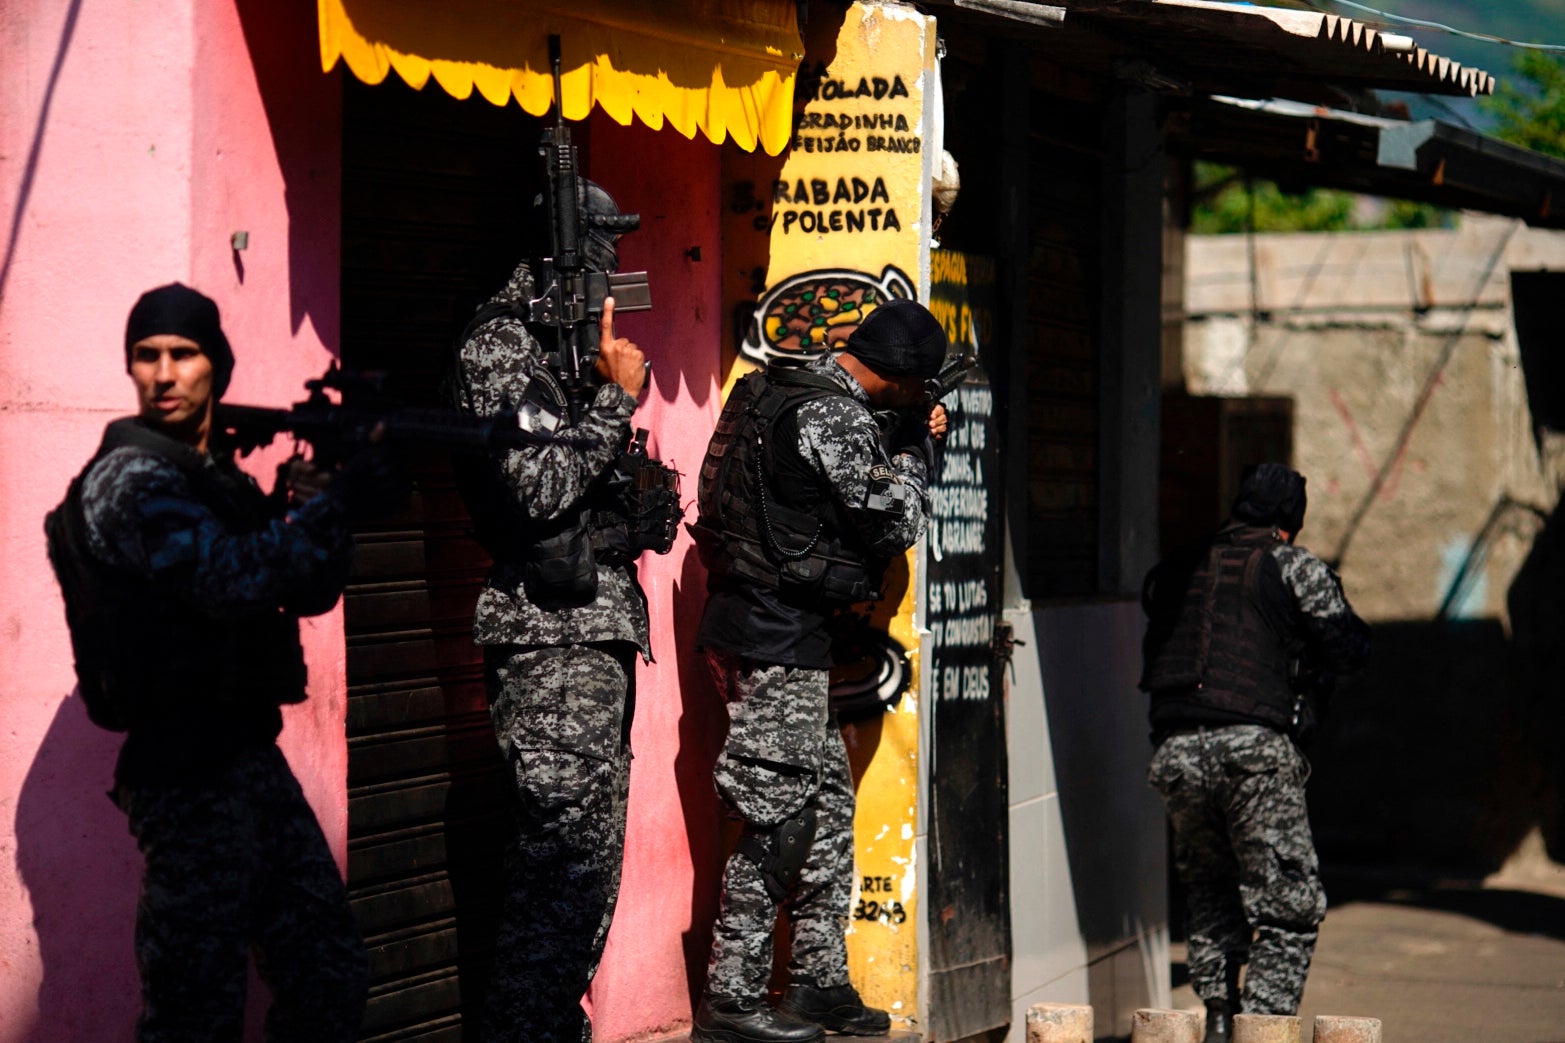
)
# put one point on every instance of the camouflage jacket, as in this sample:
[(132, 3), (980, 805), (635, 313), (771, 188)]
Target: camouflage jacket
[(838, 436), (1240, 627), (498, 361), (143, 518), (840, 441), (212, 577), (1337, 637)]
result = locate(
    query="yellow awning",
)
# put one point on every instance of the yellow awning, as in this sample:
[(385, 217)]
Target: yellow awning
[(723, 67)]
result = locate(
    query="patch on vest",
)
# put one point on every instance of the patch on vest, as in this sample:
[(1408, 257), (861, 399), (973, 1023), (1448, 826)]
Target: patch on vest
[(538, 411), (887, 492)]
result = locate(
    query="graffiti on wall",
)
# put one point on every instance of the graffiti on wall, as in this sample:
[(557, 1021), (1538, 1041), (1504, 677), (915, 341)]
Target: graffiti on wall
[(812, 245), (815, 311), (963, 581)]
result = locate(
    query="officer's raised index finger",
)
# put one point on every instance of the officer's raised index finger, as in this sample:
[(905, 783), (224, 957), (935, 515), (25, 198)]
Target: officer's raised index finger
[(606, 324)]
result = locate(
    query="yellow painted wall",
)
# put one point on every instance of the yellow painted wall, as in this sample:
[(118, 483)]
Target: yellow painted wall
[(841, 225)]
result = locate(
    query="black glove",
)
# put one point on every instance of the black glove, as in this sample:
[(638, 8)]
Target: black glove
[(372, 484), (911, 435), (299, 480)]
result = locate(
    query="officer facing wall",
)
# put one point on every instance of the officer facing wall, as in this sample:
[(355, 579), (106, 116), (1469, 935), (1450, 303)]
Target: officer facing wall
[(1243, 635), (802, 506)]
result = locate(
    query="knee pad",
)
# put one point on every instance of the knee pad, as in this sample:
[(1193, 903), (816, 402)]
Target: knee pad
[(779, 851)]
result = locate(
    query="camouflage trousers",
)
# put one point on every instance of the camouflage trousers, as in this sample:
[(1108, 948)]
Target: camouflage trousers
[(562, 717), (784, 753), (1242, 848), (236, 861)]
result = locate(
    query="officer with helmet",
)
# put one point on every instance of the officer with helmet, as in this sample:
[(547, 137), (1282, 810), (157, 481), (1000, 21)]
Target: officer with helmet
[(562, 620)]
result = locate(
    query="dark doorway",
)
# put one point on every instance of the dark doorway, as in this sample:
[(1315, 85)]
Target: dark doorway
[(1535, 298), (435, 197)]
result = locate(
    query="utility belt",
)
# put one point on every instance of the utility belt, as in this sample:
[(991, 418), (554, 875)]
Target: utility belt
[(818, 576), (639, 511)]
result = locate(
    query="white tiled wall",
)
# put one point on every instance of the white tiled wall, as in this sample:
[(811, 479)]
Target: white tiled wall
[(1118, 824)]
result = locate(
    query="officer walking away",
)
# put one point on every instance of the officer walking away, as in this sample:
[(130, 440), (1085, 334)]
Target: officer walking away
[(801, 509), (562, 620), (183, 588), (1241, 630)]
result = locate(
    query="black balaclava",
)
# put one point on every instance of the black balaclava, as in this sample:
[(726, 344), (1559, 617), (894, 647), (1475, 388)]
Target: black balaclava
[(1271, 494), (184, 312), (900, 338)]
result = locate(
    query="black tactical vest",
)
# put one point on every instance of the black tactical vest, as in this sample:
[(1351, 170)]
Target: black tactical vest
[(143, 656), (765, 516), (1213, 651), (632, 507)]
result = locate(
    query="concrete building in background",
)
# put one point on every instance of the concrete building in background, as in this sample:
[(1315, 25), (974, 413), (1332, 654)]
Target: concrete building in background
[(1425, 386)]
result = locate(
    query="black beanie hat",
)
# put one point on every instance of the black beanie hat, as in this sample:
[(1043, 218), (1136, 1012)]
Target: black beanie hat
[(900, 338), (179, 310), (1271, 494)]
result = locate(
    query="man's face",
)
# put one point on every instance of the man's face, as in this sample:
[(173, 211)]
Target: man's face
[(895, 391), (173, 378)]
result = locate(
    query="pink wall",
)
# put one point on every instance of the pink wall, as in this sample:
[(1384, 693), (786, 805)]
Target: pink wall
[(133, 139), (656, 955)]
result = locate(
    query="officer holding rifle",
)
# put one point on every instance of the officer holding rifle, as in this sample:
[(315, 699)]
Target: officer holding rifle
[(183, 588), (804, 501)]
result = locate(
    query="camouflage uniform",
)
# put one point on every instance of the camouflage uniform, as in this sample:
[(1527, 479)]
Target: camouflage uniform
[(1242, 848), (1234, 793), (235, 860), (784, 751), (561, 684), (234, 855)]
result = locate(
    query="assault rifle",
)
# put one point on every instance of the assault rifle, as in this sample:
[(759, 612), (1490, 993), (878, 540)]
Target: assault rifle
[(951, 376), (335, 430), (1312, 688), (571, 294), (895, 422)]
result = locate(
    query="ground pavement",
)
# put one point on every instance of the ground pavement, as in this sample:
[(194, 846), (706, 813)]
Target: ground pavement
[(1439, 960)]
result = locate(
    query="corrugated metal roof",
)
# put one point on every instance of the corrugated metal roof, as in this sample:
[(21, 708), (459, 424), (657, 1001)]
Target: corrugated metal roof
[(1429, 160), (1326, 46), (1205, 47)]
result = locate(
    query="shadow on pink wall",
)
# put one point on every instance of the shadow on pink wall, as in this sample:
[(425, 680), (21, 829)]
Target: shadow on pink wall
[(82, 872), (304, 119), (30, 169), (703, 722)]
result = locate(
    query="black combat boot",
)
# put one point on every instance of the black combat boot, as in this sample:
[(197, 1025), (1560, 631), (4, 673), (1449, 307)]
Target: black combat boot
[(1220, 1012), (837, 1008), (722, 1019), (1219, 1022)]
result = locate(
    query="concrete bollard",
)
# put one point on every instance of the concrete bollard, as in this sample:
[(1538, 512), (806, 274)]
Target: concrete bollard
[(1266, 1028), (1059, 1023), (1165, 1026), (1334, 1028)]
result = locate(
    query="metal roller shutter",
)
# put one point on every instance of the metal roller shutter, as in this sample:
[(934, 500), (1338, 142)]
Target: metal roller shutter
[(435, 193)]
